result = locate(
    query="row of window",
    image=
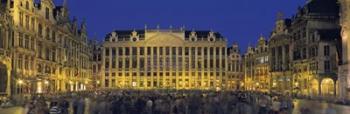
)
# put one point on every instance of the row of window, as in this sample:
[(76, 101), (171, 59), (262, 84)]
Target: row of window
[(167, 62), (180, 73), (126, 51), (313, 51)]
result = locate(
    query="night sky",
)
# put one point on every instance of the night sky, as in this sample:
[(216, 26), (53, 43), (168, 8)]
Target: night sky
[(241, 21)]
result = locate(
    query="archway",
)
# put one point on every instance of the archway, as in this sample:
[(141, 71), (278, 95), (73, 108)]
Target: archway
[(314, 87), (3, 78), (327, 87)]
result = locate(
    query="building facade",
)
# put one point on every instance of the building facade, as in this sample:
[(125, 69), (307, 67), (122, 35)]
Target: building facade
[(6, 38), (280, 57), (235, 73), (96, 64), (164, 59), (256, 67), (315, 33), (344, 70), (47, 51)]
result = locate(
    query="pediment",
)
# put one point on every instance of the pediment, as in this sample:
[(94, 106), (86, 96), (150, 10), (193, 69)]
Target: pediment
[(165, 39)]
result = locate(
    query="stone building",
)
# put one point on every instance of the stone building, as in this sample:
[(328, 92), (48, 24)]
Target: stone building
[(315, 34), (96, 63), (235, 73), (280, 56), (48, 52), (6, 39), (344, 70), (256, 67), (164, 59)]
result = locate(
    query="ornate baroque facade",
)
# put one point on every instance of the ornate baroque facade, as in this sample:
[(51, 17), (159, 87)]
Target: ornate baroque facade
[(304, 53), (6, 37), (164, 59), (235, 73), (281, 57), (256, 62), (47, 51)]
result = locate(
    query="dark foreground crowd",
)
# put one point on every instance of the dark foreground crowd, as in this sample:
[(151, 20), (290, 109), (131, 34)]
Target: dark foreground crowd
[(156, 102)]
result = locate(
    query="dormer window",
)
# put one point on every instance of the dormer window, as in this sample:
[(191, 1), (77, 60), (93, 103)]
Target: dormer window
[(211, 36), (193, 39), (193, 36), (134, 39), (134, 36), (113, 37), (211, 39)]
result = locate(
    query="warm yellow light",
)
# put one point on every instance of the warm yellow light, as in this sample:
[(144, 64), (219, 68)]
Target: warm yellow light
[(274, 84), (242, 84), (257, 84), (98, 82), (39, 89), (70, 82), (296, 84), (20, 82), (46, 82), (86, 82)]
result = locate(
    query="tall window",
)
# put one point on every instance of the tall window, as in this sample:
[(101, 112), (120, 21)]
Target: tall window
[(47, 13), (20, 18), (326, 50), (47, 33), (27, 21), (20, 40), (120, 51), (327, 66), (27, 5), (26, 41), (113, 53), (40, 30), (142, 50), (107, 52)]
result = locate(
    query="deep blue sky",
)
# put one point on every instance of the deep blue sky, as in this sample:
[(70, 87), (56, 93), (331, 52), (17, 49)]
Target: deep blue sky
[(241, 21)]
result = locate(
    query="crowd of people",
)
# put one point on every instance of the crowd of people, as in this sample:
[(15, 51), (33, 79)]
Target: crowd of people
[(160, 102)]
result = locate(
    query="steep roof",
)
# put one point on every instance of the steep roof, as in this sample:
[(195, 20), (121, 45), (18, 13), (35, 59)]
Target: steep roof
[(323, 6)]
